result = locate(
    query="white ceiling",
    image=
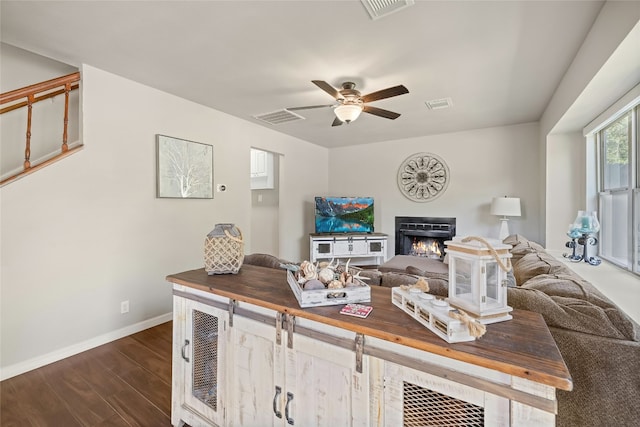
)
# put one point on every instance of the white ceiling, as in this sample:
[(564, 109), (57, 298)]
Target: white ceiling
[(500, 62)]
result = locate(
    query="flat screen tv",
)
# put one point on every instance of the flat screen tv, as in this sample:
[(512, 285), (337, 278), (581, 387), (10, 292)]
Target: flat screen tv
[(344, 215)]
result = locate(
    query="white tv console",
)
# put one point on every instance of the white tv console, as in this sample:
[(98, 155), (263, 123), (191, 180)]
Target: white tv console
[(362, 249)]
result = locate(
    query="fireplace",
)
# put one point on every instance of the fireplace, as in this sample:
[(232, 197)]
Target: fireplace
[(423, 236)]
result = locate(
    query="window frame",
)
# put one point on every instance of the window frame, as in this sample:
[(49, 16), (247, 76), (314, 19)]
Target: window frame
[(632, 187)]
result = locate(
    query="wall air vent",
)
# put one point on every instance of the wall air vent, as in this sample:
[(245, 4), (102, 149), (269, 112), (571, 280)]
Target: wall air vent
[(438, 104), (279, 117), (380, 8)]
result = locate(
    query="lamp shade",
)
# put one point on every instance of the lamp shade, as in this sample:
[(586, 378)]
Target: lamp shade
[(505, 206), (348, 112)]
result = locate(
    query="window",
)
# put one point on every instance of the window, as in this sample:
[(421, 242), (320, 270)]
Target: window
[(615, 162), (619, 192)]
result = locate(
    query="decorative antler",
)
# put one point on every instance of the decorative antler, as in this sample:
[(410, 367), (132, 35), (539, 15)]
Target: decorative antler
[(358, 276)]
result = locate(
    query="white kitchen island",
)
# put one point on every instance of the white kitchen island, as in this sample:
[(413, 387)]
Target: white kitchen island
[(246, 354)]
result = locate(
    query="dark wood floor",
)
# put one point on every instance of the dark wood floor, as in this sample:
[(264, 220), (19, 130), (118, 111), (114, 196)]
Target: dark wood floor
[(124, 383)]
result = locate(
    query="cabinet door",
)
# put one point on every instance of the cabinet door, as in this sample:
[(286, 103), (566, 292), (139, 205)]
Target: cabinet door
[(342, 248), (258, 163), (198, 365), (415, 398), (255, 363), (323, 388), (350, 247), (376, 247), (321, 249), (360, 247)]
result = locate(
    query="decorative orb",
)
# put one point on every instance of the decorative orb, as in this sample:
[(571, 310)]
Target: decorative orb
[(313, 284)]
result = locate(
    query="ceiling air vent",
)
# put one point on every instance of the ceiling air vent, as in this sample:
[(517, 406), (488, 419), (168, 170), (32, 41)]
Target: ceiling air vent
[(380, 8), (279, 117), (438, 104)]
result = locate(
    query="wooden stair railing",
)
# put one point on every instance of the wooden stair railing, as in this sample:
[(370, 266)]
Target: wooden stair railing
[(36, 93)]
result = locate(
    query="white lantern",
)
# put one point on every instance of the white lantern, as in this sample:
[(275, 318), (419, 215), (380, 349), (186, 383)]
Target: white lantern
[(478, 277)]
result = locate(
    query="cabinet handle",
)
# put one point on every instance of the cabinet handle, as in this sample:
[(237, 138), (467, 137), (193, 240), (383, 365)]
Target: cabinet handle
[(275, 402), (286, 408), (184, 349)]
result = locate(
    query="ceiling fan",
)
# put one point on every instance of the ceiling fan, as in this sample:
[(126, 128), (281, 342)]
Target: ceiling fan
[(351, 103)]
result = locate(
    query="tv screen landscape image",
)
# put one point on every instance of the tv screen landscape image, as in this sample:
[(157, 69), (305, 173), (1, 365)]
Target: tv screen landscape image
[(344, 215)]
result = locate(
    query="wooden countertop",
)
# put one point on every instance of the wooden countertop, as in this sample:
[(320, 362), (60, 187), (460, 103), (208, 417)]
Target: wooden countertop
[(522, 347)]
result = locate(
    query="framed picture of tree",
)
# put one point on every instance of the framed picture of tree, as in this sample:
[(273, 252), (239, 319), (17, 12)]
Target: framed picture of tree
[(184, 169)]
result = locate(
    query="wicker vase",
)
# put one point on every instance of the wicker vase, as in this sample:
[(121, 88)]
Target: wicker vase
[(223, 250)]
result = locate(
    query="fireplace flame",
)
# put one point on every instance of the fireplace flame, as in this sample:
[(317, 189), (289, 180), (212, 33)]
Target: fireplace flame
[(426, 248)]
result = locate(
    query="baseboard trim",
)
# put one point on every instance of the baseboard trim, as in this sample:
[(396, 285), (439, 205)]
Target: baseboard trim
[(54, 356)]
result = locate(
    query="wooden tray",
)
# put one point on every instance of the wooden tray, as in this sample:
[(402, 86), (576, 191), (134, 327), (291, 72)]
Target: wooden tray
[(320, 297)]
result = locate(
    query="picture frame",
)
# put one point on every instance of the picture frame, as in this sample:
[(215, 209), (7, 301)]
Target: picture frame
[(184, 169)]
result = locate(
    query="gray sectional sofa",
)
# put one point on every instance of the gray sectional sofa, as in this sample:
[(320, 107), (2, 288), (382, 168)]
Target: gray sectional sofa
[(598, 341)]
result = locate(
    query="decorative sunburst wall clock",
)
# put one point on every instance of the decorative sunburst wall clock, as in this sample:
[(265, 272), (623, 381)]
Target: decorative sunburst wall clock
[(423, 177)]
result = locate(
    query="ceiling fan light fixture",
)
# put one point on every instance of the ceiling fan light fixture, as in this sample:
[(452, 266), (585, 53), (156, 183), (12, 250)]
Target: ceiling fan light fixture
[(348, 112)]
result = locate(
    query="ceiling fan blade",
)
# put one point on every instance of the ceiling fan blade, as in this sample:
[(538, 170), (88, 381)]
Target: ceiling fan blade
[(336, 122), (327, 88), (385, 93), (309, 107), (380, 112)]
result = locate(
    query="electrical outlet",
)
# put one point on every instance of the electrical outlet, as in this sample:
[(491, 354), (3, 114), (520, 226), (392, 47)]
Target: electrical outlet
[(124, 307)]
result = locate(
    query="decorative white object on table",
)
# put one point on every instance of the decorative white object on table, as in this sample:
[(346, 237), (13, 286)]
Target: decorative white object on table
[(435, 314), (478, 277)]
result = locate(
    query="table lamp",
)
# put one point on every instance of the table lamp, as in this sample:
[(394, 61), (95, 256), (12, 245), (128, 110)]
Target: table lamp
[(504, 207)]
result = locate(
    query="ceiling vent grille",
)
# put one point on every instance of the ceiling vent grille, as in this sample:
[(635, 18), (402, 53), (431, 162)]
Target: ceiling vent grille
[(279, 117), (380, 8), (439, 104)]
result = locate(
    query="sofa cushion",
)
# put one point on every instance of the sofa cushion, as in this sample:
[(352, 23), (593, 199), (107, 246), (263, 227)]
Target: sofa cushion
[(394, 279), (374, 276), (572, 314), (399, 263), (438, 287), (521, 246), (564, 285), (536, 263), (442, 274), (265, 260), (572, 287)]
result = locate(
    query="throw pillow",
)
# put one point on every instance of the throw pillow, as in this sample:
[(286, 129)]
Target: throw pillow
[(568, 313), (535, 264), (572, 287)]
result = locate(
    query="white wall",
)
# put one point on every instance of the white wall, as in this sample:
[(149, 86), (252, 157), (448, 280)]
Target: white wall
[(566, 168), (483, 164), (86, 233)]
